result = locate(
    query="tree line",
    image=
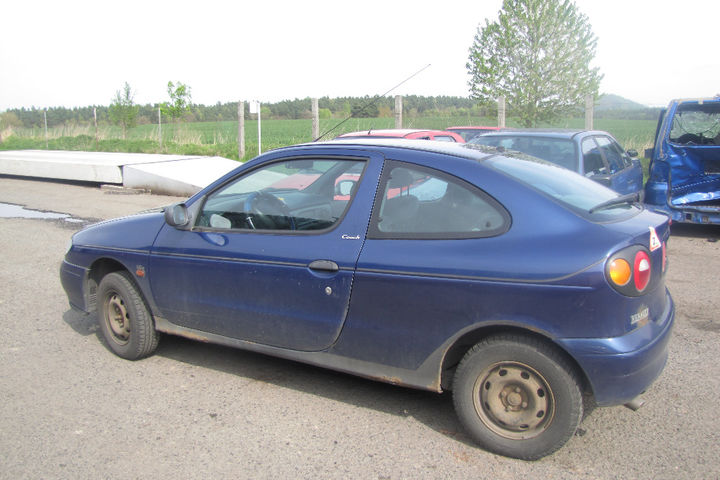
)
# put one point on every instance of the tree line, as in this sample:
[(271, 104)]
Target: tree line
[(287, 109), (219, 112)]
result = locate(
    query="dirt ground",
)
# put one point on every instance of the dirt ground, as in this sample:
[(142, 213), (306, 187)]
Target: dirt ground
[(71, 409)]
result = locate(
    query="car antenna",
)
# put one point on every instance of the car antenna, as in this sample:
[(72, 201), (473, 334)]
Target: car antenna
[(371, 102)]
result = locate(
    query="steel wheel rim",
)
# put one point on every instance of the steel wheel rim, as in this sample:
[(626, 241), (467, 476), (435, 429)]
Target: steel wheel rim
[(117, 318), (514, 400)]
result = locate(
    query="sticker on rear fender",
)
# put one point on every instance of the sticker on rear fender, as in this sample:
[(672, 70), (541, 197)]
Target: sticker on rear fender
[(654, 240)]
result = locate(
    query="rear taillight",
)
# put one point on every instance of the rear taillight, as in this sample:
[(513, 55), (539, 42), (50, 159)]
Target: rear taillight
[(641, 270), (629, 271), (620, 272)]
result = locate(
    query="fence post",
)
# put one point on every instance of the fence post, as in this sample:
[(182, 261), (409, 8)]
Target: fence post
[(241, 130), (589, 111), (160, 127), (259, 108), (316, 119), (96, 128), (398, 111), (501, 111), (46, 132)]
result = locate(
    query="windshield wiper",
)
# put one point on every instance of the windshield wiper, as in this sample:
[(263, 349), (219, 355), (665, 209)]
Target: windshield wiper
[(628, 198)]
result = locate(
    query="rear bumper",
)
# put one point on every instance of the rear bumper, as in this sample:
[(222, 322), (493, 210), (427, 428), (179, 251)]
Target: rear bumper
[(689, 213), (621, 368)]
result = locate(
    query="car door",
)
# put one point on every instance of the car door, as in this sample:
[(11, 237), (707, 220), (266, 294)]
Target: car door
[(594, 165), (271, 255), (625, 176), (425, 225)]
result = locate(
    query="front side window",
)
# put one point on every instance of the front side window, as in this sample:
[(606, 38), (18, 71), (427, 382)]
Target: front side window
[(592, 158), (292, 195), (613, 154), (419, 202)]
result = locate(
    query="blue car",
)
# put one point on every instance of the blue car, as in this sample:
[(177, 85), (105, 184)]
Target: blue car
[(594, 154), (684, 171), (519, 285)]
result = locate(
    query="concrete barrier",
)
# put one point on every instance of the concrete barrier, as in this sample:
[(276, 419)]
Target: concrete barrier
[(169, 174)]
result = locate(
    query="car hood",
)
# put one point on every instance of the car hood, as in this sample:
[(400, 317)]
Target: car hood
[(134, 232)]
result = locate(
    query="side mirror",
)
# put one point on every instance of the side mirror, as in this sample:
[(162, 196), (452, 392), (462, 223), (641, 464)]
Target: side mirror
[(345, 187), (176, 215), (632, 152)]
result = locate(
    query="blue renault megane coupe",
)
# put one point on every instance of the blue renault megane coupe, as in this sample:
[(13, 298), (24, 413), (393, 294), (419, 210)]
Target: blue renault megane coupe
[(517, 284)]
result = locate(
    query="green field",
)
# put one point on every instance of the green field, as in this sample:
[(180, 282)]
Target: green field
[(220, 138)]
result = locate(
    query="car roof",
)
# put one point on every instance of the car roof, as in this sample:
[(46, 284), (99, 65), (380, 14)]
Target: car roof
[(391, 132), (544, 132), (461, 150), (716, 98), (475, 127)]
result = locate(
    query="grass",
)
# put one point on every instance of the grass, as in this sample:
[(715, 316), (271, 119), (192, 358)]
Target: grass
[(220, 138)]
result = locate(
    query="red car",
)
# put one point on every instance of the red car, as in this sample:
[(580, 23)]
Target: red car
[(469, 132), (415, 134)]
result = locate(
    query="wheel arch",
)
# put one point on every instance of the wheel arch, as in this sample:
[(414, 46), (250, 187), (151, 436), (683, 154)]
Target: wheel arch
[(465, 342), (98, 270)]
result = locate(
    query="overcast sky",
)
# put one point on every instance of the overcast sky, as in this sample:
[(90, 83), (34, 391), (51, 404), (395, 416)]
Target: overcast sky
[(79, 53)]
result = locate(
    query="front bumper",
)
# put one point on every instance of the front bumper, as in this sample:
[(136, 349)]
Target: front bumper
[(72, 278), (621, 368)]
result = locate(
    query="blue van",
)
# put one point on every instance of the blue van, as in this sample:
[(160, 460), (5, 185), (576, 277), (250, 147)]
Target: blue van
[(684, 174)]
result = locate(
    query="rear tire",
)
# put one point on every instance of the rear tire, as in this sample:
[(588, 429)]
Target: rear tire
[(125, 320), (517, 396)]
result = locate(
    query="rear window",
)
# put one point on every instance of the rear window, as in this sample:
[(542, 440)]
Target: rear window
[(572, 190), (560, 151), (696, 124)]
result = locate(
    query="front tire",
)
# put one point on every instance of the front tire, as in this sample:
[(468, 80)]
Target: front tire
[(517, 396), (125, 320)]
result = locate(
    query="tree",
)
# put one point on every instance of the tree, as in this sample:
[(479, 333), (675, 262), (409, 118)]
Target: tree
[(537, 55), (368, 109), (180, 100), (123, 110)]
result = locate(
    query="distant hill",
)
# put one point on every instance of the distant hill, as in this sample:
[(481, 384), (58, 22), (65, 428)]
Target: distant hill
[(608, 101)]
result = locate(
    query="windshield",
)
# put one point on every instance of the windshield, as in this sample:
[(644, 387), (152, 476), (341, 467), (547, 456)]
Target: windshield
[(569, 188), (696, 124)]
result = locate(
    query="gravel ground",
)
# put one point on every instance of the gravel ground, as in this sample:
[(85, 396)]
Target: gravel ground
[(71, 409)]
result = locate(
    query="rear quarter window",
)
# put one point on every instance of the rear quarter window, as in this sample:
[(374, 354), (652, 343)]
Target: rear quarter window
[(573, 191), (424, 203)]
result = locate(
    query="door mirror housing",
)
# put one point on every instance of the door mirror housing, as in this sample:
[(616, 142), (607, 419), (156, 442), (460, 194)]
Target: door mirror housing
[(176, 215), (345, 187)]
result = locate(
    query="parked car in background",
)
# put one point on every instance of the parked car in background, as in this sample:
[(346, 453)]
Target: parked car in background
[(520, 286), (594, 154), (684, 172), (415, 134), (471, 132)]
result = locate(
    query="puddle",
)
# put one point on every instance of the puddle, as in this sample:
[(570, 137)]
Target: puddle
[(8, 210)]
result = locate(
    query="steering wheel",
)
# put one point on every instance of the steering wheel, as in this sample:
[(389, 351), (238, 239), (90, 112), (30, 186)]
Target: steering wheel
[(262, 210)]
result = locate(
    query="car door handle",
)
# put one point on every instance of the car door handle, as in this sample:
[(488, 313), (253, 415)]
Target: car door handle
[(324, 265)]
